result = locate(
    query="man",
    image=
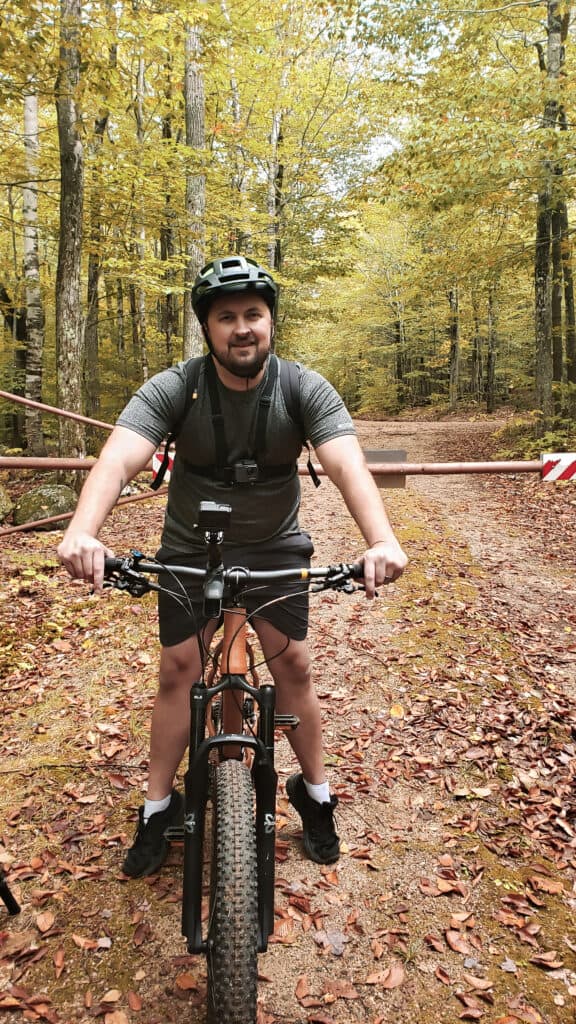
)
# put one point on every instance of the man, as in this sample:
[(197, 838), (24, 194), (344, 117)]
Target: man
[(216, 459)]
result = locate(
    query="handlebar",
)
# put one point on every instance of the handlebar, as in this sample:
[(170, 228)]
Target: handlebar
[(130, 573)]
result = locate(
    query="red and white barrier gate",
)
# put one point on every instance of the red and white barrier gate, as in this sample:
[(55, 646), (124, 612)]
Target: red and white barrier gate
[(558, 466)]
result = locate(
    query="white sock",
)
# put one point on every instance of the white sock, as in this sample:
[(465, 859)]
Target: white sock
[(155, 806), (320, 792)]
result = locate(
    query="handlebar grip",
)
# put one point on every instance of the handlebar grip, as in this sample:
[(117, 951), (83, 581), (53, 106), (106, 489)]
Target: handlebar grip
[(357, 570), (112, 563)]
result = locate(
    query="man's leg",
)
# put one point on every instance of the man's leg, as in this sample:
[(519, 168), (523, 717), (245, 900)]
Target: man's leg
[(289, 663), (295, 695), (180, 667)]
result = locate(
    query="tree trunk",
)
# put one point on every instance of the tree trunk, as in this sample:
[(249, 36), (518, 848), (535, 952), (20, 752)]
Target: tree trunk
[(69, 332), (243, 238), (92, 360), (274, 190), (34, 307), (492, 353), (476, 368), (194, 105), (138, 298), (169, 306), (15, 320), (568, 278), (556, 298), (454, 358), (551, 66)]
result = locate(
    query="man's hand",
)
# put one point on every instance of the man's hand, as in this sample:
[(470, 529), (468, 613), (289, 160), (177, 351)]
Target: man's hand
[(383, 563), (83, 557)]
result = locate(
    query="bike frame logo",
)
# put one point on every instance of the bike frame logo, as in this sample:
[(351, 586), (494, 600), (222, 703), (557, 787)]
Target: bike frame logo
[(269, 824), (190, 823)]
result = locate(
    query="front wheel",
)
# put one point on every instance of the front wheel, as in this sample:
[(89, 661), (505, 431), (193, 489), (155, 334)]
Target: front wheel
[(233, 922)]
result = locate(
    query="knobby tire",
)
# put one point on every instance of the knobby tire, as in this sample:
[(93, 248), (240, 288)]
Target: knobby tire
[(232, 953)]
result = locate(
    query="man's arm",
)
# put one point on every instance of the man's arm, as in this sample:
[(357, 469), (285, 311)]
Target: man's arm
[(123, 456), (344, 462)]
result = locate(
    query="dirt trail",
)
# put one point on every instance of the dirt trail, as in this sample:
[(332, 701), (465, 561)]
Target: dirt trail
[(536, 588), (450, 744)]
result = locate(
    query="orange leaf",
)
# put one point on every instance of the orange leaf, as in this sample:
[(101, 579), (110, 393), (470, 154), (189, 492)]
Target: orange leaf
[(482, 984), (392, 977), (457, 943), (134, 1001), (302, 987), (45, 921), (186, 981), (59, 961)]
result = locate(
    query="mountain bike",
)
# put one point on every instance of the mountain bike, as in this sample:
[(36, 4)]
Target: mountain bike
[(231, 765)]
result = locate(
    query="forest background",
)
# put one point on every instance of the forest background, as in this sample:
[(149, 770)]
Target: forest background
[(405, 169)]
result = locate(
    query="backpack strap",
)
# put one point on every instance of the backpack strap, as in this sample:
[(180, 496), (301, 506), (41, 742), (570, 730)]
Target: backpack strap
[(216, 413), (264, 406), (192, 371), (290, 374)]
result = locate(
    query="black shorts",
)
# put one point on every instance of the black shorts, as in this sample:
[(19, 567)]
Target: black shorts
[(181, 615)]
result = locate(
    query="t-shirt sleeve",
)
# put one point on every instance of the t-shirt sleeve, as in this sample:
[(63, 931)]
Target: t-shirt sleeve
[(324, 414), (157, 406)]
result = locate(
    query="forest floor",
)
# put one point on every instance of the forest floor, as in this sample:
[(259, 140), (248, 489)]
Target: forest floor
[(450, 728)]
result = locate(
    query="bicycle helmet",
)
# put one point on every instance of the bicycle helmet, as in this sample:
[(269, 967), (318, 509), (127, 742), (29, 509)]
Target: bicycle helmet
[(232, 274)]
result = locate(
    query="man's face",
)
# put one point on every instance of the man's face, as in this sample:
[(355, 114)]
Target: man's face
[(240, 331)]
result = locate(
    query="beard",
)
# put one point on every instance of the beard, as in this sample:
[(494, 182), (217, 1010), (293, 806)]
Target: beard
[(246, 368)]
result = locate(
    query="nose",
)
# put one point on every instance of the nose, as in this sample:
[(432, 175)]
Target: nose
[(242, 327)]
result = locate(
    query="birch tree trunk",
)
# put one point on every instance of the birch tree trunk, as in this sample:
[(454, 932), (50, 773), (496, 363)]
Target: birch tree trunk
[(194, 104), (274, 187), (138, 304), (92, 361), (569, 306), (34, 306), (69, 327)]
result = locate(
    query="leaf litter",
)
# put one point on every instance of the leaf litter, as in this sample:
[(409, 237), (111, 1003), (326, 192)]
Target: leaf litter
[(450, 737)]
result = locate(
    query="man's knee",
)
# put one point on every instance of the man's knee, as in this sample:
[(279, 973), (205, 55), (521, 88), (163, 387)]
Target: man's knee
[(293, 667), (179, 666)]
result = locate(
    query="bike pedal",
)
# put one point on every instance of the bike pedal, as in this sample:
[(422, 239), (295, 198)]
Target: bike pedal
[(286, 721)]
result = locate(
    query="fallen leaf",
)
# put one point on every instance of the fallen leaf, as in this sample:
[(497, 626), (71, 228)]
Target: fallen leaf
[(457, 943), (442, 976), (45, 921), (111, 996), (302, 987), (186, 982), (549, 959), (341, 989), (482, 984), (392, 977), (134, 1001)]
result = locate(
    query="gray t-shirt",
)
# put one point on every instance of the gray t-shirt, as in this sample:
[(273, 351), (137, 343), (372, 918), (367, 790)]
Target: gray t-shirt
[(260, 512)]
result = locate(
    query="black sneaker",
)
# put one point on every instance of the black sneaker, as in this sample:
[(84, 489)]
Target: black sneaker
[(320, 839), (149, 849)]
